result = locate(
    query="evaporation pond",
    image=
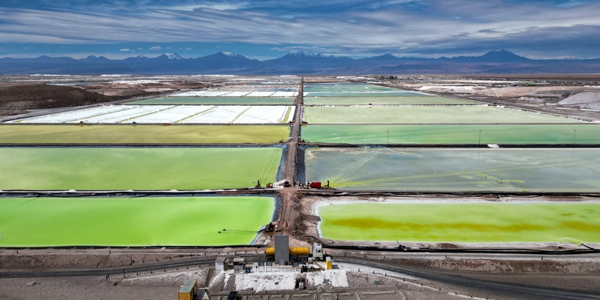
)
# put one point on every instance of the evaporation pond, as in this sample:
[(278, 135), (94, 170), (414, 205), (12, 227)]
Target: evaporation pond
[(136, 168), (142, 134), (343, 88), (425, 114), (549, 134), (150, 221), (215, 101), (419, 169), (414, 100), (461, 222)]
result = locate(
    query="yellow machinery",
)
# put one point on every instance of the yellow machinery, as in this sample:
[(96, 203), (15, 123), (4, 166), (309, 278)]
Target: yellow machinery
[(297, 251), (188, 290), (317, 252)]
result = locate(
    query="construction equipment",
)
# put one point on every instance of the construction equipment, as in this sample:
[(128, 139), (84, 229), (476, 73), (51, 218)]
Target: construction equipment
[(318, 185), (188, 290), (270, 227), (300, 252)]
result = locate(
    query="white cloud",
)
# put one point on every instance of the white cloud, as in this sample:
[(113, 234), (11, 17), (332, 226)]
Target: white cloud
[(188, 49), (391, 30), (125, 50)]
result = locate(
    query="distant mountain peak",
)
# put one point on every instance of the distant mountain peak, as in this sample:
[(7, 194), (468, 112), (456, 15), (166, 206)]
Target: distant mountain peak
[(305, 54), (229, 53), (503, 55), (171, 56), (386, 56), (94, 57)]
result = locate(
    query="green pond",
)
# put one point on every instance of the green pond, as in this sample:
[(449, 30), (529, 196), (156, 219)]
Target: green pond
[(393, 93), (152, 221), (214, 101), (462, 222), (142, 134), (566, 134), (407, 100), (135, 168), (425, 115), (420, 169), (333, 87)]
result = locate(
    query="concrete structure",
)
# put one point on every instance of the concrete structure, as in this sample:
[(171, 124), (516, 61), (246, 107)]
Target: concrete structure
[(220, 263), (282, 249)]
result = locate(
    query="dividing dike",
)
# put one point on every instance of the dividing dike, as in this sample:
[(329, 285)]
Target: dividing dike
[(289, 198)]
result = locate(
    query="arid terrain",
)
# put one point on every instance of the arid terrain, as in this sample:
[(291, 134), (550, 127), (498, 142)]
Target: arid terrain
[(407, 271)]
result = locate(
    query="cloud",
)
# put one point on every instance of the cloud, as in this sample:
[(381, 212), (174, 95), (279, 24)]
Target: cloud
[(425, 27), (124, 50), (301, 48)]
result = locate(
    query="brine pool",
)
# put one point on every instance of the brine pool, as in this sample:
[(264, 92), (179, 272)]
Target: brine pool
[(420, 169), (477, 114), (136, 168), (149, 221), (460, 222), (142, 134), (406, 100), (215, 101), (547, 134)]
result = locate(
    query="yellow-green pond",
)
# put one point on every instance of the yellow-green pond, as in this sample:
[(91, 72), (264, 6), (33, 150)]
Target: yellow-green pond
[(461, 222)]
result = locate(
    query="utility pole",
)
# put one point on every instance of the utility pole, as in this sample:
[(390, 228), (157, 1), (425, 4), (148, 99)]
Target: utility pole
[(479, 136), (388, 136)]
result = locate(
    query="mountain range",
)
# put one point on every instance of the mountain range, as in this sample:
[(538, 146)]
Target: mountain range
[(301, 63)]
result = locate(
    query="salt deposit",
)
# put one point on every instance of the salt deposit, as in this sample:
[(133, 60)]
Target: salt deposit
[(265, 281), (336, 278), (171, 115), (285, 94), (123, 115), (264, 114), (237, 94), (260, 94), (447, 88), (287, 280), (221, 114), (71, 116), (153, 114), (589, 100), (134, 82)]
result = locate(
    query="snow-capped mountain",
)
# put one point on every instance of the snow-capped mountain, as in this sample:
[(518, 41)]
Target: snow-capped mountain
[(170, 56), (226, 62)]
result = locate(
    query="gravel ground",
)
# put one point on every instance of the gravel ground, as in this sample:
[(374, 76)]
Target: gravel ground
[(79, 288)]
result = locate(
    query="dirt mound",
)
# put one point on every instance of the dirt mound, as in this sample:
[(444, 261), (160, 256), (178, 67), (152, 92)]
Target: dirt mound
[(590, 100), (35, 96)]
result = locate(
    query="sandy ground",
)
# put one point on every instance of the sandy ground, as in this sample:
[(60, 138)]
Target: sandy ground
[(79, 288), (542, 93), (96, 288)]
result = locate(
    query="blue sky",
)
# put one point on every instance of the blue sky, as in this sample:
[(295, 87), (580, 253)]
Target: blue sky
[(269, 29)]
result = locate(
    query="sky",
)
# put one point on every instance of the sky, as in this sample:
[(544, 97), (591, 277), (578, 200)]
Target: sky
[(267, 29)]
